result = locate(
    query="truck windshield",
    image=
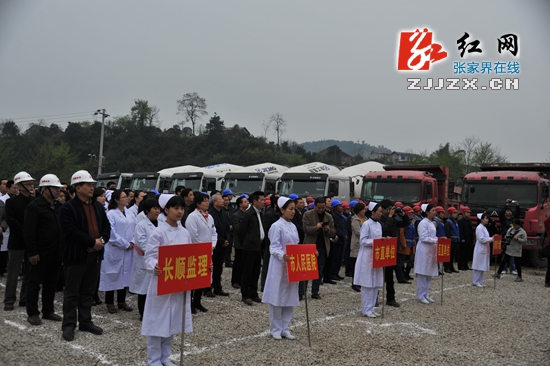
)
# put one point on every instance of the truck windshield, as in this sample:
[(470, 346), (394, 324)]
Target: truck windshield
[(493, 193), (240, 186), (406, 191), (144, 184), (192, 183), (103, 182), (303, 188)]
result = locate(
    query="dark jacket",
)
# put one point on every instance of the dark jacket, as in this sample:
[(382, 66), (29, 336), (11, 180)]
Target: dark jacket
[(74, 226), (466, 230), (340, 226), (3, 222), (297, 220), (221, 222), (504, 223), (235, 221), (391, 226), (41, 229), (270, 217), (249, 231), (15, 217)]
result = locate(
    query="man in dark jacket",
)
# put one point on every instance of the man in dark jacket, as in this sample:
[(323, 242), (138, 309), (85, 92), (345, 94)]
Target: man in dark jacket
[(338, 242), (251, 237), (237, 270), (466, 239), (85, 229), (15, 217), (222, 229), (42, 235), (270, 217)]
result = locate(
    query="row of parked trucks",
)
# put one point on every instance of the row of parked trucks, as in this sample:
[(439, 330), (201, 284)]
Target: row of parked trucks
[(483, 191)]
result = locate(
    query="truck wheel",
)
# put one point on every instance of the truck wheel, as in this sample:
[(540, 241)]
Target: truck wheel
[(533, 255)]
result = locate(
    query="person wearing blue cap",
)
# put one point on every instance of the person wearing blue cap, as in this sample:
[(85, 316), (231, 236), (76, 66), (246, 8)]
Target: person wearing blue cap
[(338, 241)]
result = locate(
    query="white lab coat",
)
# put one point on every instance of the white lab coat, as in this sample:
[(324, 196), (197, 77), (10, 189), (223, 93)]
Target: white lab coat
[(482, 250), (365, 275), (133, 210), (163, 315), (201, 230), (425, 261), (140, 278), (140, 216), (117, 263), (277, 290)]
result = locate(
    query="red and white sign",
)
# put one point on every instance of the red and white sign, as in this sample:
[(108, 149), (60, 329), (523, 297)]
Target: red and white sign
[(302, 265), (497, 245), (184, 267), (384, 252), (443, 250)]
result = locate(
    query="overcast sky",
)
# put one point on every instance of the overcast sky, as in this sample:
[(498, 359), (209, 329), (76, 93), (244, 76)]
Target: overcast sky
[(330, 67)]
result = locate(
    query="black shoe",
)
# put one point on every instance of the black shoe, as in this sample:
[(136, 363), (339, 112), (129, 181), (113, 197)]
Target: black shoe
[(201, 308), (547, 285), (97, 302), (335, 278), (229, 265), (454, 270), (316, 296), (92, 328), (356, 288), (301, 297), (393, 303), (22, 304), (448, 270), (193, 309), (221, 293), (209, 293), (330, 282), (440, 273), (407, 282), (68, 334), (408, 278)]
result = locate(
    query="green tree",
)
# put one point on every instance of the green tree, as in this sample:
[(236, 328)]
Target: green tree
[(193, 107), (144, 115)]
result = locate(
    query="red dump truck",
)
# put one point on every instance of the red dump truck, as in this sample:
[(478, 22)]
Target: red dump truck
[(410, 184), (527, 183)]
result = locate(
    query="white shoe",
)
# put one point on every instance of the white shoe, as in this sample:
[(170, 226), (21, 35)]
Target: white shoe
[(168, 363), (277, 337), (288, 336), (430, 299), (423, 301), (371, 315), (477, 285), (515, 272), (377, 315)]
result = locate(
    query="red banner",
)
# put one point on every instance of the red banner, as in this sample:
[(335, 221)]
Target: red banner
[(302, 265), (497, 245), (443, 250), (184, 267), (385, 252)]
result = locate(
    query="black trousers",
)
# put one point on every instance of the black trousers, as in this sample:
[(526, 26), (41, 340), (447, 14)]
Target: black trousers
[(503, 263), (141, 304), (227, 253), (388, 277), (251, 274), (80, 284), (454, 255), (265, 266), (110, 296), (237, 270), (463, 255), (45, 273), (217, 262)]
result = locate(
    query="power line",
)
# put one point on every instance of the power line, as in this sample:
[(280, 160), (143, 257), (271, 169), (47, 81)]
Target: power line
[(53, 116)]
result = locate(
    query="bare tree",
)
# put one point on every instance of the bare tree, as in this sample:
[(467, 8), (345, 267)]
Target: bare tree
[(487, 154), (266, 126), (468, 148), (279, 124), (193, 107), (476, 152)]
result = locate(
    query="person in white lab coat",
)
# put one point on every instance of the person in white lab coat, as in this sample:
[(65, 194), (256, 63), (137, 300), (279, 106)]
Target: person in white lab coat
[(140, 277), (163, 314), (482, 250), (281, 295), (370, 279), (425, 261), (202, 230), (117, 263)]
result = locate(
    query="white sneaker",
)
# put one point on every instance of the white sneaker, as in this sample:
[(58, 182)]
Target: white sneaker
[(371, 315), (515, 272), (477, 285), (377, 315), (168, 363), (430, 299), (288, 336), (423, 301), (277, 337)]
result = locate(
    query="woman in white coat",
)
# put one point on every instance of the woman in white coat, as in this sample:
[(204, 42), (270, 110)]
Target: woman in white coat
[(425, 261), (118, 258), (163, 314), (281, 295), (140, 278), (370, 279), (202, 230), (482, 250)]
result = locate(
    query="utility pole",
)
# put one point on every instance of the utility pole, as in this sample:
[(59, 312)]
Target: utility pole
[(100, 157)]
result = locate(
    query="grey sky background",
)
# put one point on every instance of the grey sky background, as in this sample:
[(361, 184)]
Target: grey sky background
[(330, 67)]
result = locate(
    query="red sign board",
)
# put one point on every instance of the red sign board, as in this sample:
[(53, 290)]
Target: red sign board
[(302, 265), (497, 245), (384, 252), (443, 250), (184, 267)]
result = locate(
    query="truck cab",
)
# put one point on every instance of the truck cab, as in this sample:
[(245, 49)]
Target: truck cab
[(205, 179), (122, 180), (260, 177)]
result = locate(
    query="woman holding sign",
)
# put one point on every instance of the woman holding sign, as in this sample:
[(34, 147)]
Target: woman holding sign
[(370, 279), (281, 295), (163, 314), (482, 250), (425, 261)]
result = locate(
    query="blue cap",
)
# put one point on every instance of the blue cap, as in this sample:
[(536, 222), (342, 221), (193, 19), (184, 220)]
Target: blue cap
[(227, 192), (311, 205), (335, 203), (155, 192), (293, 196), (352, 203), (244, 195)]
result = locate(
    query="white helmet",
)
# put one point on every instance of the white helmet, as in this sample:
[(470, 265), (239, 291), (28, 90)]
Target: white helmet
[(82, 176), (22, 177), (50, 180)]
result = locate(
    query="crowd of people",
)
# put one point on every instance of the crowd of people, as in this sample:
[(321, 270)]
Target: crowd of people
[(80, 239)]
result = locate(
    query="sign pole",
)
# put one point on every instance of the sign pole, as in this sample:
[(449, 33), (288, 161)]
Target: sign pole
[(183, 326), (442, 288), (307, 316), (384, 290), (494, 277)]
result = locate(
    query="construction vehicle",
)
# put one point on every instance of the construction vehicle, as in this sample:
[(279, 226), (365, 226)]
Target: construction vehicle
[(122, 180), (260, 177)]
